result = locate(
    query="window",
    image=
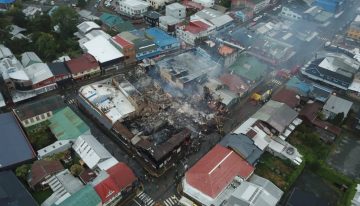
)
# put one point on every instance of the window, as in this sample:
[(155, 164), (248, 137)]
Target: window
[(42, 116), (32, 120), (26, 121), (37, 118), (48, 114)]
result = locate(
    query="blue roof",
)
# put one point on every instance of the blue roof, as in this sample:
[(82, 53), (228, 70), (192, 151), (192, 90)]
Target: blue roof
[(13, 192), (14, 145), (6, 1), (160, 37), (302, 87)]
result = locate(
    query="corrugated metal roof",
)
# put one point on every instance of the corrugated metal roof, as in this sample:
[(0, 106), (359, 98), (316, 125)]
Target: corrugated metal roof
[(86, 196), (66, 125), (14, 145)]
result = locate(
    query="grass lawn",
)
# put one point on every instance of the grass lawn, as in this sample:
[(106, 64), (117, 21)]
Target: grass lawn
[(281, 172), (40, 135), (41, 196)]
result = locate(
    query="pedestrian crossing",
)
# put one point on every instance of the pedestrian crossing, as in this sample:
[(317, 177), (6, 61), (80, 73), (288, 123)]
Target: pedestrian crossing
[(276, 82), (143, 199), (171, 201), (71, 101)]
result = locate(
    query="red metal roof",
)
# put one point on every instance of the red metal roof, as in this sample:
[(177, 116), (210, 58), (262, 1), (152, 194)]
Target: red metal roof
[(106, 189), (288, 97), (192, 5), (83, 63), (122, 175), (234, 83), (216, 170), (121, 41), (196, 27)]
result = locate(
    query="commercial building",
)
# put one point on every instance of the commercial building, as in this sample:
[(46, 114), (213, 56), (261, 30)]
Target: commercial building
[(249, 68), (86, 27), (206, 181), (329, 5), (152, 18), (66, 125), (83, 67), (107, 102), (115, 183), (156, 4), (61, 73), (39, 111), (216, 18), (133, 8), (13, 191), (54, 148), (354, 29), (104, 52), (205, 3), (187, 69), (196, 29), (125, 47), (85, 196), (15, 148), (115, 22), (176, 10), (335, 69), (256, 6), (164, 41)]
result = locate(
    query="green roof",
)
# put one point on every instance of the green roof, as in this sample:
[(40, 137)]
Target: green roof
[(116, 22), (86, 196), (249, 67), (66, 125)]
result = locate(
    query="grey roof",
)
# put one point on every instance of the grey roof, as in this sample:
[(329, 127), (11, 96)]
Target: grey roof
[(260, 192), (300, 198), (175, 6), (221, 20), (29, 58), (14, 146), (276, 114), (70, 183), (243, 145), (208, 14), (58, 68), (337, 105), (5, 52), (13, 192)]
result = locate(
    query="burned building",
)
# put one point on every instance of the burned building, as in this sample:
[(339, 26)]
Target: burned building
[(140, 117)]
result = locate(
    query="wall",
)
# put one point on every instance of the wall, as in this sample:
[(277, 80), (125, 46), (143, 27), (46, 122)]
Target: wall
[(37, 119)]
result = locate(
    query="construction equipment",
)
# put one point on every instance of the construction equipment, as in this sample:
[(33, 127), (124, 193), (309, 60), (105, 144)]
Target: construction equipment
[(262, 97)]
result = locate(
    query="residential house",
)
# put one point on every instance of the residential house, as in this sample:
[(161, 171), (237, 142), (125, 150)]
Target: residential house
[(41, 171), (156, 4), (13, 191), (63, 185), (234, 83), (175, 10), (90, 150), (216, 18), (354, 29), (66, 125), (83, 67), (13, 138), (289, 97), (114, 184), (31, 11), (152, 18), (85, 196), (257, 191), (213, 173), (86, 27), (168, 24), (115, 22), (125, 47), (133, 8), (38, 111), (336, 105), (29, 58)]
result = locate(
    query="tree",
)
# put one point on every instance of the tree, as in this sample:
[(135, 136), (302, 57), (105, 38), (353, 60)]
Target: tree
[(76, 169), (18, 17), (67, 19), (338, 119), (81, 3), (45, 46), (22, 171), (40, 23), (4, 29)]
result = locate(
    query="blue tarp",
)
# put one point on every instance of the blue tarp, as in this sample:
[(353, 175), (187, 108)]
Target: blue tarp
[(6, 1)]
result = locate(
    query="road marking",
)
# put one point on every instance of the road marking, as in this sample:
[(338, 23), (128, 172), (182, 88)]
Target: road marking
[(137, 203)]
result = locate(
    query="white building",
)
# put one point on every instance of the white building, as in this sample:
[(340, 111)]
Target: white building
[(194, 30), (54, 148), (205, 3), (90, 150), (288, 13), (156, 4), (31, 11), (176, 10), (168, 23), (133, 8)]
